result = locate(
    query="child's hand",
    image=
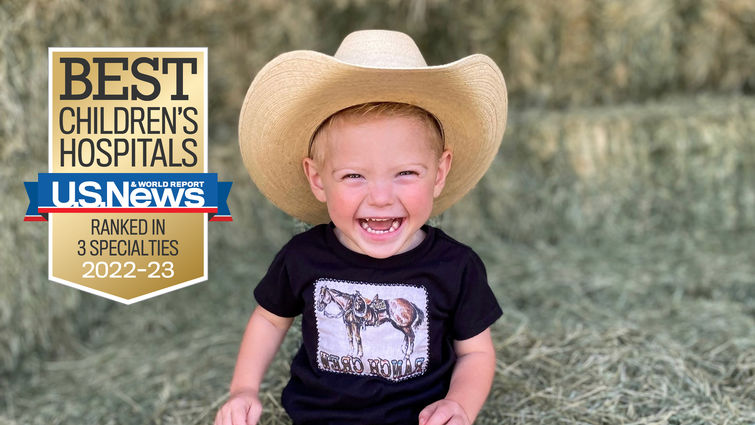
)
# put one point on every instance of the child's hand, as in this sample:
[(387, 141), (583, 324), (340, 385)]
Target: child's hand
[(243, 408), (444, 412)]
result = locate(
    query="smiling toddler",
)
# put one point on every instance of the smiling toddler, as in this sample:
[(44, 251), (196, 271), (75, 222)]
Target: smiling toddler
[(396, 314)]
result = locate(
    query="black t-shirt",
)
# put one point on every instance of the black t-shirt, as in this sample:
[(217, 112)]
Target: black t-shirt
[(377, 333)]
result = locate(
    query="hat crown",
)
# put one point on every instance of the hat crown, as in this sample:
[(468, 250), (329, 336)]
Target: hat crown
[(380, 49), (292, 95)]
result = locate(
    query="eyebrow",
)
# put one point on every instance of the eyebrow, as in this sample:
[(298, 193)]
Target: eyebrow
[(414, 164), (401, 167)]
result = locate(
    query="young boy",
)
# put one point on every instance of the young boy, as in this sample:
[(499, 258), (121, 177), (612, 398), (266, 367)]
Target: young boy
[(395, 314)]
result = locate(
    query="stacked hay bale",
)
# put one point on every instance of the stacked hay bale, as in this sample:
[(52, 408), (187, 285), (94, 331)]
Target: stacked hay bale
[(574, 52), (619, 173), (38, 318)]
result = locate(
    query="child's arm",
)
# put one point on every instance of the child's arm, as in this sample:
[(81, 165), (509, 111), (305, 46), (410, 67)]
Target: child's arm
[(262, 338), (470, 383)]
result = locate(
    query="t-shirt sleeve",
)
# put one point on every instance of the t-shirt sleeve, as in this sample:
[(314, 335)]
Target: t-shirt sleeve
[(275, 293), (477, 307)]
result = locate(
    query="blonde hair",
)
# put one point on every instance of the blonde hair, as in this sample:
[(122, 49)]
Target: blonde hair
[(382, 109)]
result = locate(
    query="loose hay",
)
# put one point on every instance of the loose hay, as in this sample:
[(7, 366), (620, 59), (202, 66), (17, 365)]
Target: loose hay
[(658, 331), (633, 333)]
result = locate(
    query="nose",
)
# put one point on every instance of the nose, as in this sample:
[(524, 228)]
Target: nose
[(381, 193)]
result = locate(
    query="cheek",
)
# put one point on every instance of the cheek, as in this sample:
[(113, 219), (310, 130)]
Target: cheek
[(343, 201), (418, 197)]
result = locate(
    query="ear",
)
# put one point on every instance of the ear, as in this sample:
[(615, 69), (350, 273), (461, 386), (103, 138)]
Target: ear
[(444, 166), (314, 178)]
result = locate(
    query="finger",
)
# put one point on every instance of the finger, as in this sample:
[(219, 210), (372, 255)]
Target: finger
[(238, 416), (253, 415), (226, 415), (426, 413), (440, 416), (457, 420)]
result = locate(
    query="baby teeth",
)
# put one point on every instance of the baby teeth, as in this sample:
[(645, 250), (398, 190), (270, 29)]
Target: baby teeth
[(366, 226)]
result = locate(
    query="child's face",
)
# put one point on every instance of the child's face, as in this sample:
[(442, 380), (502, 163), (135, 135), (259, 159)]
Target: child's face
[(379, 177)]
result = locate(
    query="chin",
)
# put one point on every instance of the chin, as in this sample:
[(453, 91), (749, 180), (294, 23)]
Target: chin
[(380, 253)]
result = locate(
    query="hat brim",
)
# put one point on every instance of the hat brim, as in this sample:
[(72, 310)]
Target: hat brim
[(295, 92)]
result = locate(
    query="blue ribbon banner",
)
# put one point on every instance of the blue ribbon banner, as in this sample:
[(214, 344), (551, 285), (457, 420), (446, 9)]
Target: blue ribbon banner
[(128, 193)]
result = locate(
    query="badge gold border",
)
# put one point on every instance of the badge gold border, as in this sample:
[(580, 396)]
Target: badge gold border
[(51, 217)]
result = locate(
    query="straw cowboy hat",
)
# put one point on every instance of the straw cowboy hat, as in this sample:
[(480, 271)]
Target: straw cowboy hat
[(295, 92)]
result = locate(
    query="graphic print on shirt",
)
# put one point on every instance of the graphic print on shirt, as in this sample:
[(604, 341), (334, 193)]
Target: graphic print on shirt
[(372, 329)]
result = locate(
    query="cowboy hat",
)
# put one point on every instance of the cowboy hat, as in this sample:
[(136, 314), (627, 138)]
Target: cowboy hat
[(296, 91)]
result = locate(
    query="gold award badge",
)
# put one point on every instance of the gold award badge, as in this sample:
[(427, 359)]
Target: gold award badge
[(128, 195)]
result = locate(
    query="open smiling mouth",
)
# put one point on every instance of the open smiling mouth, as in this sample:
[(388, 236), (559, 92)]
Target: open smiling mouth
[(380, 226)]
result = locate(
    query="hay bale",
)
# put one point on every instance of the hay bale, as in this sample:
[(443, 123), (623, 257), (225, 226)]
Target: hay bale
[(619, 173), (585, 52), (39, 318), (577, 52)]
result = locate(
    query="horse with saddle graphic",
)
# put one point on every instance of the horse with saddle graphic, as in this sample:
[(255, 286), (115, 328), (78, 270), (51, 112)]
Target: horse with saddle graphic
[(359, 312)]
